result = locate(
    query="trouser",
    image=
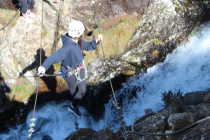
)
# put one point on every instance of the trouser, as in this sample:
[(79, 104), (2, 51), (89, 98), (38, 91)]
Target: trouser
[(25, 5), (77, 89)]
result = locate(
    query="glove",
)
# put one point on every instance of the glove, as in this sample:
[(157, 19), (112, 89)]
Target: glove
[(99, 38), (21, 74), (41, 71)]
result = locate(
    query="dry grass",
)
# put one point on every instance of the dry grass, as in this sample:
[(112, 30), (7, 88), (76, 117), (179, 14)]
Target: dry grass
[(22, 90)]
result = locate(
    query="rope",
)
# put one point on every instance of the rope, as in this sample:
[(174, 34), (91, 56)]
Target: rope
[(33, 119), (115, 103), (45, 75)]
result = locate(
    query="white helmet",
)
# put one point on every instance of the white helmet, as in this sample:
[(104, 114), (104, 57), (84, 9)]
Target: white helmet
[(76, 28)]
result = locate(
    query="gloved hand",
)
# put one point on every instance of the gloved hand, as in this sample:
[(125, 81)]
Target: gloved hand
[(41, 71), (21, 74), (99, 38)]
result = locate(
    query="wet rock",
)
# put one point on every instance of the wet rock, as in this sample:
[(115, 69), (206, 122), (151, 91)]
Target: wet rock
[(165, 121), (148, 111), (106, 134), (194, 98), (47, 138), (152, 123), (83, 134), (200, 132), (202, 110), (207, 98), (180, 120)]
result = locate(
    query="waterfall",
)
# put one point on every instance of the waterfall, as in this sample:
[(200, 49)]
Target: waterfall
[(187, 69)]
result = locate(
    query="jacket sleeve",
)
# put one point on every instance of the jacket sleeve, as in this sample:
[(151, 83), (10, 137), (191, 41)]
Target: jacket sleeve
[(56, 57), (88, 46)]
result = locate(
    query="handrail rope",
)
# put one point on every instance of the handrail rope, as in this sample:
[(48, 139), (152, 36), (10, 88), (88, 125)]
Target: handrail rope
[(110, 81), (10, 21), (171, 133), (40, 63), (115, 102), (35, 75)]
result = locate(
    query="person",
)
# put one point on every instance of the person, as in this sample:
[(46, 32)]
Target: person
[(72, 61), (26, 7), (39, 58)]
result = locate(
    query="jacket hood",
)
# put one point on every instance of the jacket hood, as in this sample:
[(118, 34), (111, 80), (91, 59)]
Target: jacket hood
[(66, 41)]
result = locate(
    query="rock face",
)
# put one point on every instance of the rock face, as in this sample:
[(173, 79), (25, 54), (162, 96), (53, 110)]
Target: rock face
[(164, 24), (20, 40)]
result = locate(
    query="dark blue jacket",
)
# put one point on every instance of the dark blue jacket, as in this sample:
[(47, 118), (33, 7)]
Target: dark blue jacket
[(70, 54)]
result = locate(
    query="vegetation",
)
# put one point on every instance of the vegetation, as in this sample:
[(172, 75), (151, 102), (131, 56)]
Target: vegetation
[(157, 41), (155, 53)]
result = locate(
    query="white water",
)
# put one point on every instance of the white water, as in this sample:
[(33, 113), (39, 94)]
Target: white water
[(186, 69)]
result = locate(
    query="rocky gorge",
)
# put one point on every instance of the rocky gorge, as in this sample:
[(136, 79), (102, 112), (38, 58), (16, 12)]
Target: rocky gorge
[(162, 26)]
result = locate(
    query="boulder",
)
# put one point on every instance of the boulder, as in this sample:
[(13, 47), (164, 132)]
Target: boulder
[(82, 134)]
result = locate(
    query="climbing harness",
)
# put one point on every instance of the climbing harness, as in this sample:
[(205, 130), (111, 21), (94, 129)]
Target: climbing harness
[(80, 72)]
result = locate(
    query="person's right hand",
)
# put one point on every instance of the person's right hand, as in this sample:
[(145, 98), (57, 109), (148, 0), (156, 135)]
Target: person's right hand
[(41, 71), (21, 74)]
